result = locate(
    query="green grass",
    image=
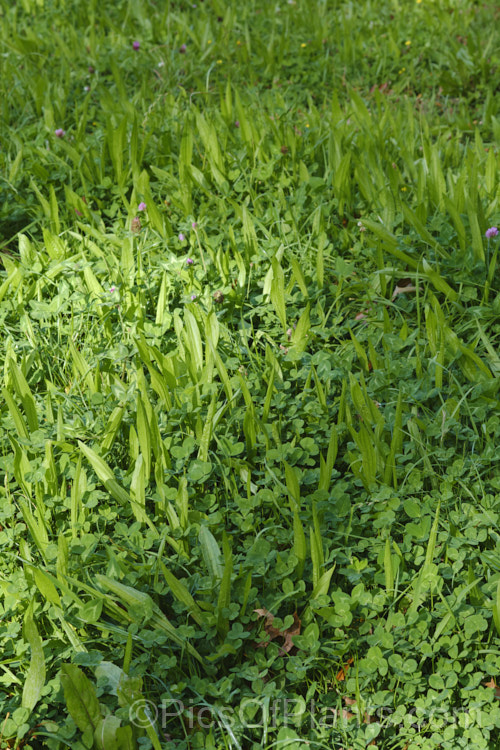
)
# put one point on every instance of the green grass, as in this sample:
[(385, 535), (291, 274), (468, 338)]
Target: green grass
[(249, 501)]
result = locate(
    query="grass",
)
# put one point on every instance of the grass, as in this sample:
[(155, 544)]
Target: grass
[(249, 420)]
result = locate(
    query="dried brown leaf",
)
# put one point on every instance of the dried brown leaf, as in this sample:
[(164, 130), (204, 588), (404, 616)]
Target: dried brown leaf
[(493, 684), (273, 632), (404, 289), (342, 673)]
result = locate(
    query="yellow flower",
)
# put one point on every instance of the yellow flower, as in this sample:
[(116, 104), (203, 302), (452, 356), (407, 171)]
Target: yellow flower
[(307, 124), (408, 42), (238, 43), (209, 41), (303, 45), (404, 189), (219, 62)]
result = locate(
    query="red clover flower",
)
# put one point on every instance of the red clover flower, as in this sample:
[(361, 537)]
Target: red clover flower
[(491, 232)]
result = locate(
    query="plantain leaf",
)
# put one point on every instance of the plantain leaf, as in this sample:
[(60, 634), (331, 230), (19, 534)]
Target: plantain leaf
[(35, 677), (81, 698)]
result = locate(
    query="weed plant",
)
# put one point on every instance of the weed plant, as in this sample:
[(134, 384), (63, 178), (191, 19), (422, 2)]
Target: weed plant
[(249, 426)]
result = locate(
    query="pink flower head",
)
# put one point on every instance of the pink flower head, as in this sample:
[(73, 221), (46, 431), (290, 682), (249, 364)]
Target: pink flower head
[(136, 45), (182, 237), (491, 232), (182, 49), (193, 297), (142, 206), (237, 124), (189, 261), (59, 132), (194, 226)]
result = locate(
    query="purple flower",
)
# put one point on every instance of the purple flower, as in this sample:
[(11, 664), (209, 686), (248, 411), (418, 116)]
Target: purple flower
[(141, 207), (193, 297), (237, 124), (112, 289), (491, 232), (59, 132), (182, 49), (194, 226), (189, 261), (136, 45), (181, 237)]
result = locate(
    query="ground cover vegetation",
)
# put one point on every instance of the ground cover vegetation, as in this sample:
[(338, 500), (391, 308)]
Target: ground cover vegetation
[(249, 426)]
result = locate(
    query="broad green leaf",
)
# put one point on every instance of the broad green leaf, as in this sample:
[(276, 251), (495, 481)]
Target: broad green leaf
[(193, 339), (361, 354), (477, 237), (35, 677), (81, 698), (396, 444), (144, 436), (105, 474), (24, 393), (207, 430), (300, 334), (138, 490), (112, 427), (326, 467), (46, 587), (181, 593), (20, 424), (211, 552), (224, 598), (299, 543), (293, 486), (141, 601), (105, 733), (496, 609), (388, 571), (278, 292), (82, 367), (299, 276)]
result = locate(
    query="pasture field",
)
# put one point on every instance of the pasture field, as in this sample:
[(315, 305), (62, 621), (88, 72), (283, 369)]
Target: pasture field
[(250, 374)]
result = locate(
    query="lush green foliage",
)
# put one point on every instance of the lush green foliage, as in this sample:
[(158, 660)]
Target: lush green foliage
[(250, 368)]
